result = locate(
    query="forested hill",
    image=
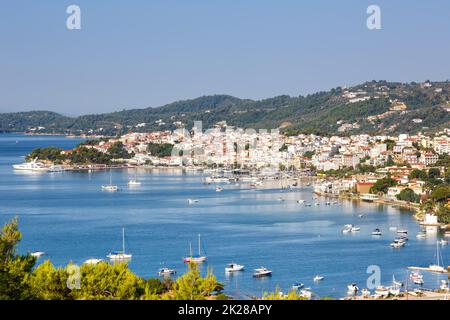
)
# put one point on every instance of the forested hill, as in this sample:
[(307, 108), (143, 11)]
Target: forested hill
[(372, 107)]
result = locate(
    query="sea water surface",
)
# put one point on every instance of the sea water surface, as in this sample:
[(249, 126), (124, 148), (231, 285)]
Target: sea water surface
[(68, 216)]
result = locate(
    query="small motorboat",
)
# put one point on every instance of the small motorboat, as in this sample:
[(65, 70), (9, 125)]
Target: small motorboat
[(347, 228), (262, 272), (219, 189), (110, 188), (355, 229), (306, 293), (402, 231), (318, 278), (421, 235), (365, 293), (280, 199), (443, 242), (233, 267), (376, 232), (444, 285), (352, 289), (192, 201), (418, 281), (301, 201), (397, 243), (360, 215), (134, 182), (297, 286), (37, 254), (166, 271), (93, 261)]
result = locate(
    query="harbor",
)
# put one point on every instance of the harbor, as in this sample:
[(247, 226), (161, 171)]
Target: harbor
[(278, 224)]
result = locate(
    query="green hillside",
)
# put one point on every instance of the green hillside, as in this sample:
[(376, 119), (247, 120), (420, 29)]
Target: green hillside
[(366, 108)]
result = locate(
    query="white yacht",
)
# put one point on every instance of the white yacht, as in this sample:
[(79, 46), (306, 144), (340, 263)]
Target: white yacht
[(262, 272), (233, 267), (120, 255), (33, 165)]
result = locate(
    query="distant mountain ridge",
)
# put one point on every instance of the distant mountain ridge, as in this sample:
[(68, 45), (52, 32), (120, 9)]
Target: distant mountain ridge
[(374, 107)]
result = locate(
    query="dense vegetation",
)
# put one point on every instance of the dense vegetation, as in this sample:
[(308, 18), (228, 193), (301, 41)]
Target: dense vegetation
[(83, 154), (19, 280), (160, 149), (320, 113)]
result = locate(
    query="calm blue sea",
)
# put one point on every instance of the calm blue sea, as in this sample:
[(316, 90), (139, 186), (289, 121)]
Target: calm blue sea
[(68, 216)]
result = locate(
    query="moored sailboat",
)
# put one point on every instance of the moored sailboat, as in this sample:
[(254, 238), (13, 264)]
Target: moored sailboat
[(120, 255), (196, 259)]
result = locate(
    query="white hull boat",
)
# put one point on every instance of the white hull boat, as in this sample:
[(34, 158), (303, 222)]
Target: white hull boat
[(234, 267)]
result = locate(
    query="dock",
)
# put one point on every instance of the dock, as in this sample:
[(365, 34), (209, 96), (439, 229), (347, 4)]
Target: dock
[(427, 269)]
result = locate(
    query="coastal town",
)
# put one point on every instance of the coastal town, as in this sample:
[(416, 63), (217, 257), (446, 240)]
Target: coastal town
[(406, 170)]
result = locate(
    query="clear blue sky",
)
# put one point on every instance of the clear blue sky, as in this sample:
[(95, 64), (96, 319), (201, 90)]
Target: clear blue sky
[(135, 54)]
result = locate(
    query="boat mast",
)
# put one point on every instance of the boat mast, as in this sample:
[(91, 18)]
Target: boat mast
[(123, 240)]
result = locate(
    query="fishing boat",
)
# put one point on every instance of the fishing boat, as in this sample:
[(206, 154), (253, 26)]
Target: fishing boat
[(382, 291), (262, 272), (110, 187), (394, 289), (93, 261), (233, 267), (120, 255), (195, 259), (37, 254), (376, 232), (166, 271), (416, 278), (318, 278)]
